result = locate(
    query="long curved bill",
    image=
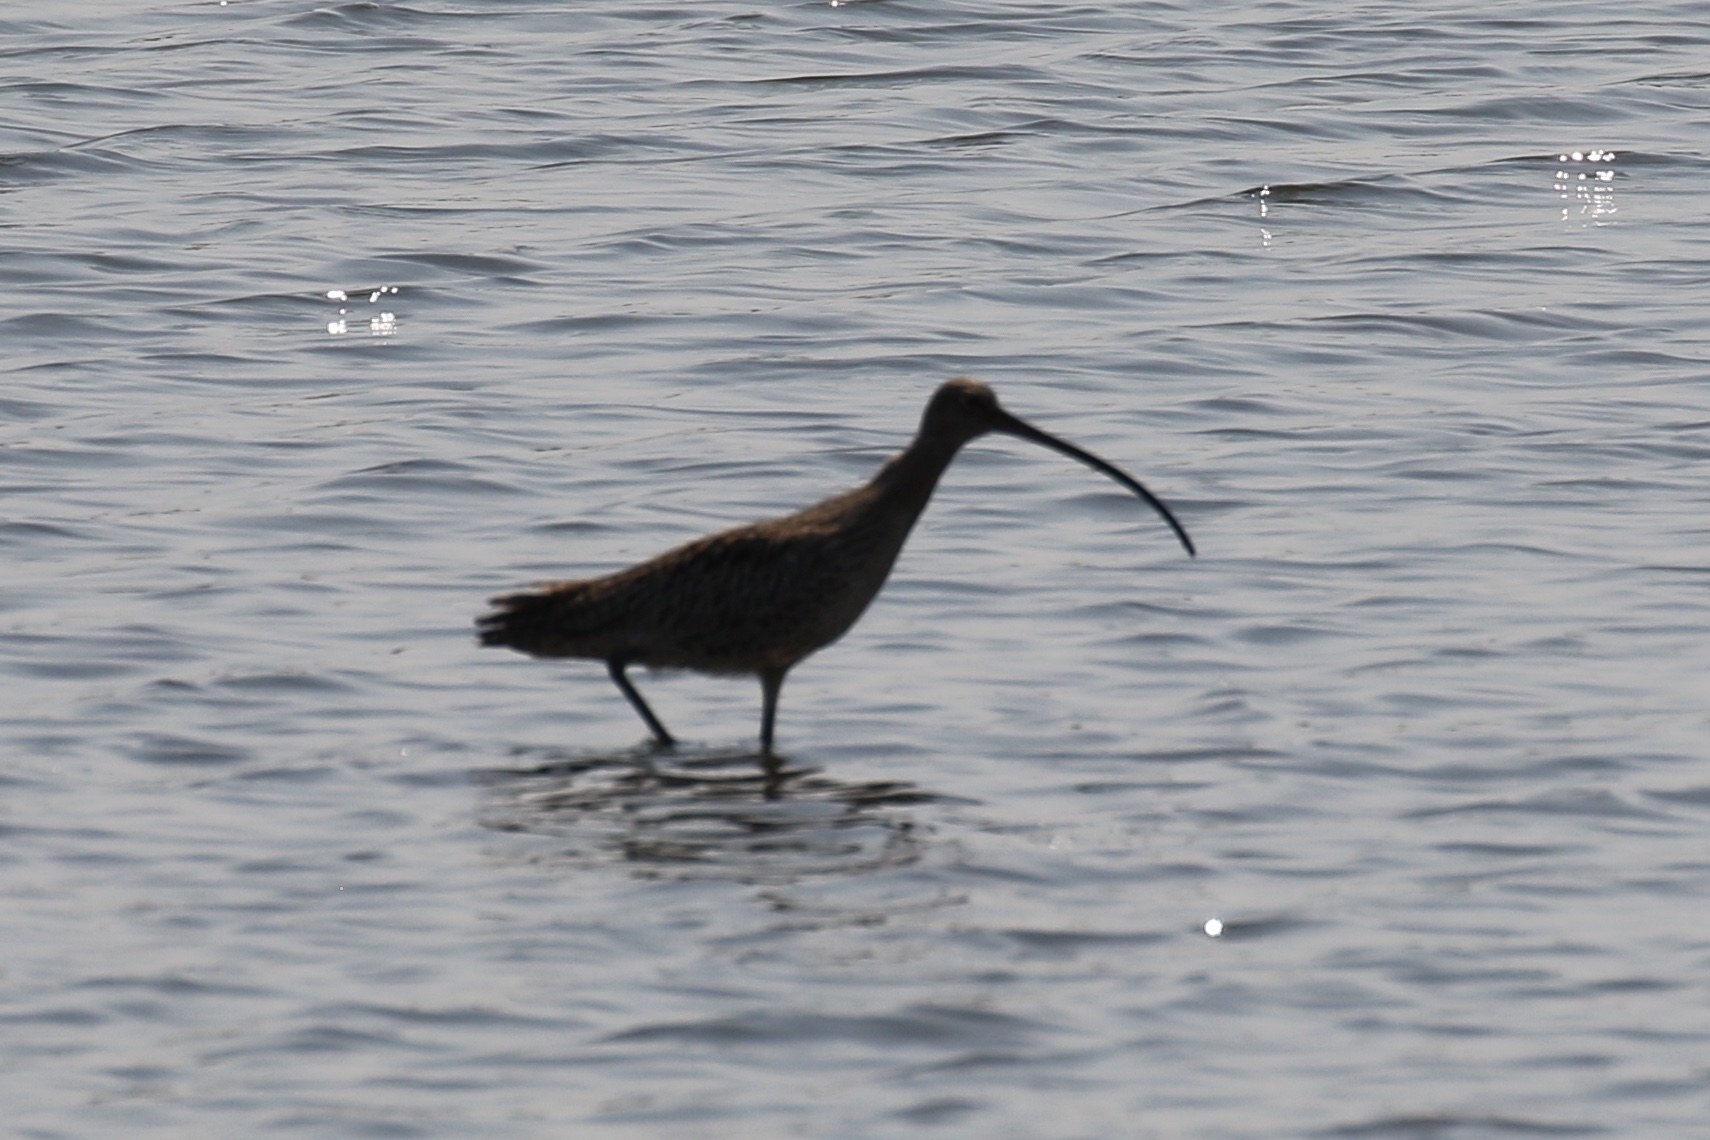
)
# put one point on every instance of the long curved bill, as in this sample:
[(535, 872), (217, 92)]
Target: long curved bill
[(1012, 426)]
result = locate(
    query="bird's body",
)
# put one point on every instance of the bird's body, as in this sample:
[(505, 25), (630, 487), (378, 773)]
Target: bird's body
[(759, 598)]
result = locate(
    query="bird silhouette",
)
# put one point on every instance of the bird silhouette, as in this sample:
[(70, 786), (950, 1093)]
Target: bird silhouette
[(759, 598)]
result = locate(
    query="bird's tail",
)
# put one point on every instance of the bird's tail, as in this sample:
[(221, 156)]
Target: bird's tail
[(561, 621), (507, 620)]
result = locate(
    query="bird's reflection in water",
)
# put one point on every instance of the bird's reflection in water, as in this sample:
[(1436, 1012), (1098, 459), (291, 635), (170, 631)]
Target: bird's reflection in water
[(710, 813)]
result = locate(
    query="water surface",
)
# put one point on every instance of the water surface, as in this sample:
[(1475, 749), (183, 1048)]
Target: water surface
[(325, 322)]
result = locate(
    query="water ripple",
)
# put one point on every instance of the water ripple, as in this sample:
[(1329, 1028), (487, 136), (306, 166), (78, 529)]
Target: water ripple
[(714, 814)]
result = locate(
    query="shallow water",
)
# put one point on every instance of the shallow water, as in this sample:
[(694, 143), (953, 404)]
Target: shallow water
[(1400, 309)]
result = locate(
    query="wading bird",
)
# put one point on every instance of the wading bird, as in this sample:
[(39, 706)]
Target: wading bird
[(759, 598)]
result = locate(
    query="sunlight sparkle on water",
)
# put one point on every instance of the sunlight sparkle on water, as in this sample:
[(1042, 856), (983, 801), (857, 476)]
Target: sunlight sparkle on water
[(1580, 189), (386, 324)]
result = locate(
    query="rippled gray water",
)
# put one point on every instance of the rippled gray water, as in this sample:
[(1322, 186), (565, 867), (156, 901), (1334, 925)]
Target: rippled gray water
[(1401, 308)]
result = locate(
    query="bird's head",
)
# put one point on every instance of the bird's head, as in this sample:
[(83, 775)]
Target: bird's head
[(965, 409)]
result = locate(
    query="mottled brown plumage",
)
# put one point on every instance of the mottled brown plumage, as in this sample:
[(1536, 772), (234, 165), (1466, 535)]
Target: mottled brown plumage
[(759, 598)]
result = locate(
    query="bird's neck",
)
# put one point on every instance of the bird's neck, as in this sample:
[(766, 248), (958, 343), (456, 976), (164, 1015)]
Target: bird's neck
[(908, 479)]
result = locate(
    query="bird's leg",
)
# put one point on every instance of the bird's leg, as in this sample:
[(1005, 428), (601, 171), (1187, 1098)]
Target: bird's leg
[(615, 668), (771, 683)]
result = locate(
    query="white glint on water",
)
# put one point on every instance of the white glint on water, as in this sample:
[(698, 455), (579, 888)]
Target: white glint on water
[(1586, 199), (385, 324), (1214, 927)]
